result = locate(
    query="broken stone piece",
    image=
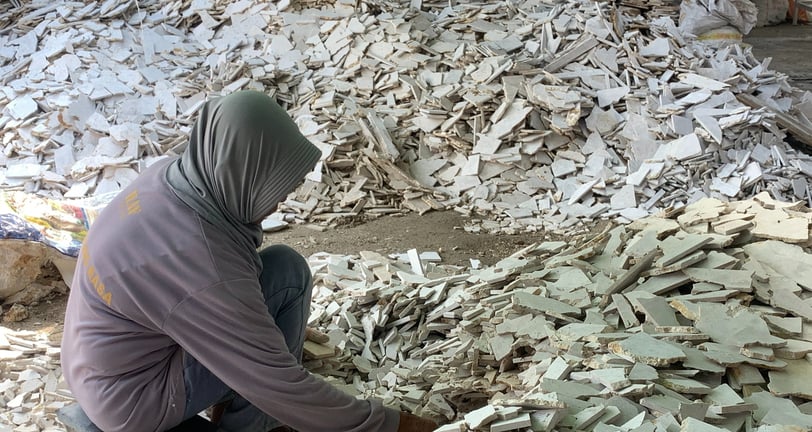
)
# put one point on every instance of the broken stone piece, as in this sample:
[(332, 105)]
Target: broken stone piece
[(644, 348)]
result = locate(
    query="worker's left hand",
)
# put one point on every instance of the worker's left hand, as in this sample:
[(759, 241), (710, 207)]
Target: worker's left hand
[(413, 423), (316, 336)]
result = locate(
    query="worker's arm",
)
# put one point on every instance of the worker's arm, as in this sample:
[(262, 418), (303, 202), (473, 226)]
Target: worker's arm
[(227, 328)]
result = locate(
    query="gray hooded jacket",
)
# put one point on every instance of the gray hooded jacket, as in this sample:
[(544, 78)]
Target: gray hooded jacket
[(171, 266)]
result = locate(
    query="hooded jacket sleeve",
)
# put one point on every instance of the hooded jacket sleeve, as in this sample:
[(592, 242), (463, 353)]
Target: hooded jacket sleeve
[(227, 328)]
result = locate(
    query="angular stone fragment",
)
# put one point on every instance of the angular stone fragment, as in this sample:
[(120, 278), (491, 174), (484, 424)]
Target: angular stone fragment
[(781, 227), (787, 260), (684, 148), (792, 380), (522, 421), (569, 388), (675, 248), (527, 301), (794, 350), (729, 355), (612, 378), (740, 280), (684, 385), (559, 369), (501, 346), (644, 348), (22, 107), (725, 400), (586, 417), (663, 284), (746, 375), (478, 418), (658, 311), (694, 425), (774, 410), (658, 48), (733, 227), (546, 420), (668, 404), (702, 82), (452, 427), (642, 372), (740, 328), (785, 325)]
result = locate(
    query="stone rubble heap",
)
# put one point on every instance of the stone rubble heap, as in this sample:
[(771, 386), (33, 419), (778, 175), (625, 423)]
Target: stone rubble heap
[(694, 320), (31, 385), (698, 320), (534, 114)]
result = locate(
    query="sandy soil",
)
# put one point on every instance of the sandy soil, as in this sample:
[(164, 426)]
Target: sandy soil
[(442, 232)]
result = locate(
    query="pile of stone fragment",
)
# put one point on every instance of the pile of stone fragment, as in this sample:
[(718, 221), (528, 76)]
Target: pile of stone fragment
[(528, 115), (697, 319), (694, 320), (31, 385)]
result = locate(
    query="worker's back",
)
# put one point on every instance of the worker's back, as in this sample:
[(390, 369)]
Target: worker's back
[(141, 258)]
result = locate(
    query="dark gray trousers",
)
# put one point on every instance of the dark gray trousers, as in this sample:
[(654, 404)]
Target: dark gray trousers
[(287, 287)]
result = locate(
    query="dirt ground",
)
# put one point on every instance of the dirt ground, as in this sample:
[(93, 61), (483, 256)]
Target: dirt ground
[(789, 47), (443, 231)]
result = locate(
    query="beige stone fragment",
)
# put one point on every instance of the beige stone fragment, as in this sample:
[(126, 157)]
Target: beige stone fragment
[(559, 369), (740, 280), (675, 248), (15, 313), (644, 348), (546, 420), (612, 378), (318, 351), (527, 301), (794, 350), (625, 309), (452, 427), (481, 417), (788, 260), (522, 421), (746, 375), (779, 227), (664, 283), (694, 425), (733, 227), (658, 311), (792, 380), (785, 325), (684, 385)]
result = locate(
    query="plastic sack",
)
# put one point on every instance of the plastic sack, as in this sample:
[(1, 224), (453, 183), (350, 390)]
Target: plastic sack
[(771, 12), (61, 225), (721, 37), (702, 16)]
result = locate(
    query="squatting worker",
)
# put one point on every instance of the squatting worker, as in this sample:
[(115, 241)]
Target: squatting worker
[(173, 309)]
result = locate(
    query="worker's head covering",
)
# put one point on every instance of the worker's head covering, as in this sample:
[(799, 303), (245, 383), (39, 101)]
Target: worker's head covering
[(245, 155)]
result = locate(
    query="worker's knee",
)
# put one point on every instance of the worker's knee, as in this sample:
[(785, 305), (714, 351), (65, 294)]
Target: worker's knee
[(282, 260)]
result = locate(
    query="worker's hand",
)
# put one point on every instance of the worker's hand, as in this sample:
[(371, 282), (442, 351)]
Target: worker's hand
[(413, 423), (316, 336)]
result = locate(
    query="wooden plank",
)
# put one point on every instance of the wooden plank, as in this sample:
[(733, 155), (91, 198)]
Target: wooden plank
[(800, 131)]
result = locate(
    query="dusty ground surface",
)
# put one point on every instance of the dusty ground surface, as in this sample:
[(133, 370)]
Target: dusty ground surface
[(441, 232), (789, 46)]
